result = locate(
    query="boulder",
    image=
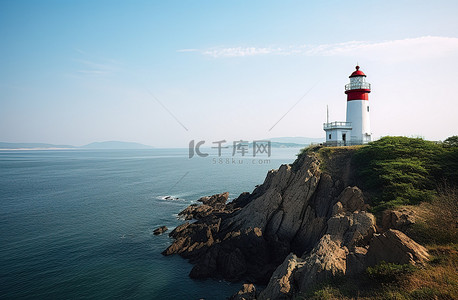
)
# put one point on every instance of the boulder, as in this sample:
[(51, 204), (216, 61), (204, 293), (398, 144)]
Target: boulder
[(195, 211), (399, 219), (352, 229), (352, 199), (327, 260), (281, 285), (393, 246), (210, 205), (247, 292), (193, 239), (217, 199), (160, 230), (356, 261)]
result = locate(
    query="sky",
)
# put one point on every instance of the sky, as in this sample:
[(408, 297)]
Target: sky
[(163, 73)]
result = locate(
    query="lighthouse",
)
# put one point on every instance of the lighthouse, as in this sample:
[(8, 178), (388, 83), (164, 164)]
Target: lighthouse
[(356, 130), (358, 107)]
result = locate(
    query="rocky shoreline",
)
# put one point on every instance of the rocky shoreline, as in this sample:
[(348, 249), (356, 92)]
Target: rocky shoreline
[(302, 226)]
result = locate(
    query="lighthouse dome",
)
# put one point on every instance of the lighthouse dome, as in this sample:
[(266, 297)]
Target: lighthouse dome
[(357, 73)]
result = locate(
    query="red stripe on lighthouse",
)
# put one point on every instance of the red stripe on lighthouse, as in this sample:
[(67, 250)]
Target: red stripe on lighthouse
[(361, 94)]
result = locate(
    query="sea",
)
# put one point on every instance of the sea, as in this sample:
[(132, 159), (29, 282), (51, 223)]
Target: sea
[(78, 224)]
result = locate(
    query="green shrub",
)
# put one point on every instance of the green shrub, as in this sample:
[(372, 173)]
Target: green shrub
[(451, 141), (393, 295), (448, 162), (401, 171), (427, 293), (326, 292), (388, 272)]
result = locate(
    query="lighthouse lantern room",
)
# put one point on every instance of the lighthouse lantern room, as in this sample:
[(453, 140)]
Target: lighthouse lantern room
[(356, 130)]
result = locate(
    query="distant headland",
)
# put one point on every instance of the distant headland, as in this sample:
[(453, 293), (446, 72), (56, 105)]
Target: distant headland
[(96, 145)]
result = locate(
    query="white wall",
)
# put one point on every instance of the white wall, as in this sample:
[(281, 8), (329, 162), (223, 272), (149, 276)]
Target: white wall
[(358, 114), (336, 135)]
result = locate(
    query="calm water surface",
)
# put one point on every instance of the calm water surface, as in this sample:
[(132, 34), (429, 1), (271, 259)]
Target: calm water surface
[(78, 224)]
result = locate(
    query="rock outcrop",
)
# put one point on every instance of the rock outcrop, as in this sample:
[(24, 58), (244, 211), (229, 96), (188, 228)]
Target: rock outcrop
[(247, 292), (281, 284), (327, 260), (352, 199), (399, 219), (331, 258), (210, 205), (393, 246), (337, 253), (160, 230), (300, 227)]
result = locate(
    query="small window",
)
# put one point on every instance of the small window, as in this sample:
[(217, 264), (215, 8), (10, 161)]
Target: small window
[(329, 136), (367, 108)]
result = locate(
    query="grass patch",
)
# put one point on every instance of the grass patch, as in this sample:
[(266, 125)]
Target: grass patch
[(405, 171), (439, 224), (439, 279), (327, 292), (388, 272)]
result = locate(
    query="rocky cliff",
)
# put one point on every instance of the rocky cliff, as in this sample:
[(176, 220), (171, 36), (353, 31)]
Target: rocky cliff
[(306, 223)]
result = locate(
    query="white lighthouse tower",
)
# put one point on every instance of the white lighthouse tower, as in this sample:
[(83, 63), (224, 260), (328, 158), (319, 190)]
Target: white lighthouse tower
[(357, 128), (358, 107)]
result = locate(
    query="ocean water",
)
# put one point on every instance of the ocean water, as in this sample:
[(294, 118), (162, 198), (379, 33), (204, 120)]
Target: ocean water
[(78, 224)]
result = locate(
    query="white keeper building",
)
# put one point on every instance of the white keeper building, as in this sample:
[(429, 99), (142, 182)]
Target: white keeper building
[(356, 130)]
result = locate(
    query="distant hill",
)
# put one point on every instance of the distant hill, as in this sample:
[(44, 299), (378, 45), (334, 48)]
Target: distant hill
[(115, 145), (31, 146)]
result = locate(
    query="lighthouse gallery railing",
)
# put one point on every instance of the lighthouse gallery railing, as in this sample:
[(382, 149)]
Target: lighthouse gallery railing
[(333, 125), (358, 86)]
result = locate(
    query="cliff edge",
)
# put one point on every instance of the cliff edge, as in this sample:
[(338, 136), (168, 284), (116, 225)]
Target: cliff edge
[(307, 223)]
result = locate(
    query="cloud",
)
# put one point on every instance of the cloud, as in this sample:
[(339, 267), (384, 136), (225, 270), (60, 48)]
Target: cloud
[(238, 51), (403, 49)]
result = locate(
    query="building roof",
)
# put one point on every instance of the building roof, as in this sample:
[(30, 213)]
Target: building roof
[(357, 73)]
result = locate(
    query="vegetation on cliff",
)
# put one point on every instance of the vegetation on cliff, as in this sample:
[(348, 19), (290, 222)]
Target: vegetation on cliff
[(395, 171), (403, 171)]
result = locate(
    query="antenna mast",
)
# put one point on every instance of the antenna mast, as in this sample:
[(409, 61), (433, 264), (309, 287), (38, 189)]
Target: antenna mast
[(327, 114)]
